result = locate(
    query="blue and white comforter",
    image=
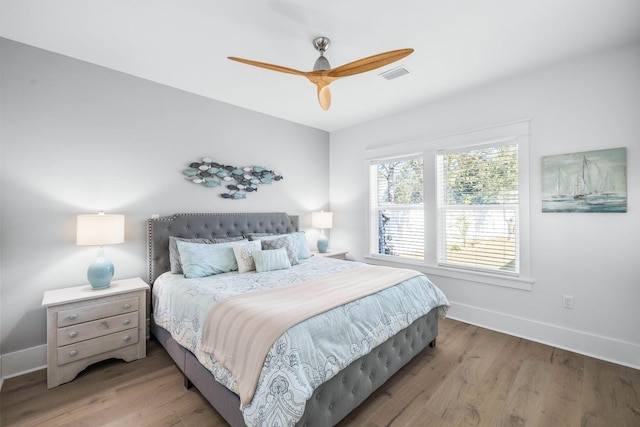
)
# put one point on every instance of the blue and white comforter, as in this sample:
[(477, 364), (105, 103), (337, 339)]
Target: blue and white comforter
[(309, 353)]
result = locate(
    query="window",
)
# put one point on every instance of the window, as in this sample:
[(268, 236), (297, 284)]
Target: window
[(478, 207), (459, 207), (397, 208)]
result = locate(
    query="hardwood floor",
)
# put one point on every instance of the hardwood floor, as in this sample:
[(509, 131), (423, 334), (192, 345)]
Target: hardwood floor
[(474, 377)]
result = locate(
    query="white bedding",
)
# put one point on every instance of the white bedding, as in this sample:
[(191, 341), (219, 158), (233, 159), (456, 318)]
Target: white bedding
[(308, 354)]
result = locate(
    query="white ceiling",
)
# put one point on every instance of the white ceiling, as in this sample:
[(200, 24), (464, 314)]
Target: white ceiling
[(459, 45)]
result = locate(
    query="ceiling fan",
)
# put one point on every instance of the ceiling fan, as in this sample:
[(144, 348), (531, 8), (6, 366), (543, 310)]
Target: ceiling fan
[(322, 74)]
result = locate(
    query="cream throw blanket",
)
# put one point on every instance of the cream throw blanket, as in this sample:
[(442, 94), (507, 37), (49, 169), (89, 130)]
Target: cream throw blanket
[(240, 330)]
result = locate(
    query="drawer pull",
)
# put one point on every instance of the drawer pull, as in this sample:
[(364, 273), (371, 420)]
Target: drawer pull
[(73, 334), (126, 321), (73, 316), (126, 338), (73, 353), (126, 306)]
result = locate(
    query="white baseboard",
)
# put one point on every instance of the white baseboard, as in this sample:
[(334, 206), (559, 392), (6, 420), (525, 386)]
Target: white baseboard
[(23, 361), (600, 347)]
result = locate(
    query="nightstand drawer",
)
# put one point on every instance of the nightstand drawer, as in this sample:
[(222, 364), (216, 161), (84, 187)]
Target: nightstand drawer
[(97, 328), (84, 349), (97, 311)]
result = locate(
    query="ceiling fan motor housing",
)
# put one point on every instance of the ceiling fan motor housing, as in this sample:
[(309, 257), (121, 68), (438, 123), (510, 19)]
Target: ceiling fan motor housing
[(321, 43)]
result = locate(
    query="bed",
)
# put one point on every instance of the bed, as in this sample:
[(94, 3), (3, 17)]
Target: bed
[(333, 388)]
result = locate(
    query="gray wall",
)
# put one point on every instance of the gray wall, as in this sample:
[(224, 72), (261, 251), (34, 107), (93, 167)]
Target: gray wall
[(78, 138), (589, 103)]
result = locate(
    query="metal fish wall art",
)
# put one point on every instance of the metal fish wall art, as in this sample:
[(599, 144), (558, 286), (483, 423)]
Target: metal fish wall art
[(237, 180)]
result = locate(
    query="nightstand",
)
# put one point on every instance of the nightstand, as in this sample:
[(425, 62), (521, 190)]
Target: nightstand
[(85, 326), (337, 254)]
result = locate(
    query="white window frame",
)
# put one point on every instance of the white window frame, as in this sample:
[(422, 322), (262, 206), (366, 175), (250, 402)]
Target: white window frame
[(516, 131), (373, 203), (442, 208)]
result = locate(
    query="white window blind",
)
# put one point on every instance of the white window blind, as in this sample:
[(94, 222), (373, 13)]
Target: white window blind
[(397, 208), (478, 211)]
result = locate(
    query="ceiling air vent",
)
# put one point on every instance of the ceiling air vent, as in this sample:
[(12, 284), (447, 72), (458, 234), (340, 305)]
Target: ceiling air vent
[(395, 73)]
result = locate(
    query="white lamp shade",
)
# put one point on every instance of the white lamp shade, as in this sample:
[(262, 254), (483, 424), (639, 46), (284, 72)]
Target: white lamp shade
[(99, 230), (322, 220)]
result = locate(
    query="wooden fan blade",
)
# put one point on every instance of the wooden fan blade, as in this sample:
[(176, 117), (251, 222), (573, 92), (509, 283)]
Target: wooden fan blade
[(324, 96), (268, 66), (369, 63)]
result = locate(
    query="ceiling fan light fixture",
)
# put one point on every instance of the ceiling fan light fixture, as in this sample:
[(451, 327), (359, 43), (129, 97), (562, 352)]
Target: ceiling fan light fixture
[(395, 73), (321, 64)]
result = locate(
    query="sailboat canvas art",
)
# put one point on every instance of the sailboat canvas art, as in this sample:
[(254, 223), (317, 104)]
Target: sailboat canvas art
[(591, 181)]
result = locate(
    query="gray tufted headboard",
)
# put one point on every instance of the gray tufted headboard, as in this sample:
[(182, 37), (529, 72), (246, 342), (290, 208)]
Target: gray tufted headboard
[(208, 225)]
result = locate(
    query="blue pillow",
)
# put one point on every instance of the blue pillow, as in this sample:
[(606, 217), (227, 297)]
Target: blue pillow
[(300, 245), (201, 259), (269, 260), (174, 255)]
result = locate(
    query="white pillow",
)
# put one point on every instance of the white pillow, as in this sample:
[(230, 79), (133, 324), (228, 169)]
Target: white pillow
[(242, 251)]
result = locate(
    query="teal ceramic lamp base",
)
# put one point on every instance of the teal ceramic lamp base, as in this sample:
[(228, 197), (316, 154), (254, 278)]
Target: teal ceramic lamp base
[(100, 272), (323, 243)]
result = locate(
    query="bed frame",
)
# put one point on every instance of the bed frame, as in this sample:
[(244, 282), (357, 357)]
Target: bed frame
[(334, 399)]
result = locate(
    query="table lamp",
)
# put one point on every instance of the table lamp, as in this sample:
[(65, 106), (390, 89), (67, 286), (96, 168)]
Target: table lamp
[(99, 230), (322, 220)]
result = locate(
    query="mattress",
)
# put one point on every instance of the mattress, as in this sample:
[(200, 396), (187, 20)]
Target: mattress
[(307, 355)]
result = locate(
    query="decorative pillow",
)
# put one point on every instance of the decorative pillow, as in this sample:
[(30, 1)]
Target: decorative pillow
[(283, 241), (174, 255), (243, 255), (300, 245), (203, 259), (269, 260), (298, 238)]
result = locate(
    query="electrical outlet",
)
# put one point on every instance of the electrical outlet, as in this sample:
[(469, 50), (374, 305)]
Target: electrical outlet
[(567, 301)]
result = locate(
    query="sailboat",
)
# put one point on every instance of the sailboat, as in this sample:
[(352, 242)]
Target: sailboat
[(594, 188), (562, 187), (588, 181), (603, 194)]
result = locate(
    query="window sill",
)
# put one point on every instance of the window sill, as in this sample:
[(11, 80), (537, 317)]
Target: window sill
[(525, 284)]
